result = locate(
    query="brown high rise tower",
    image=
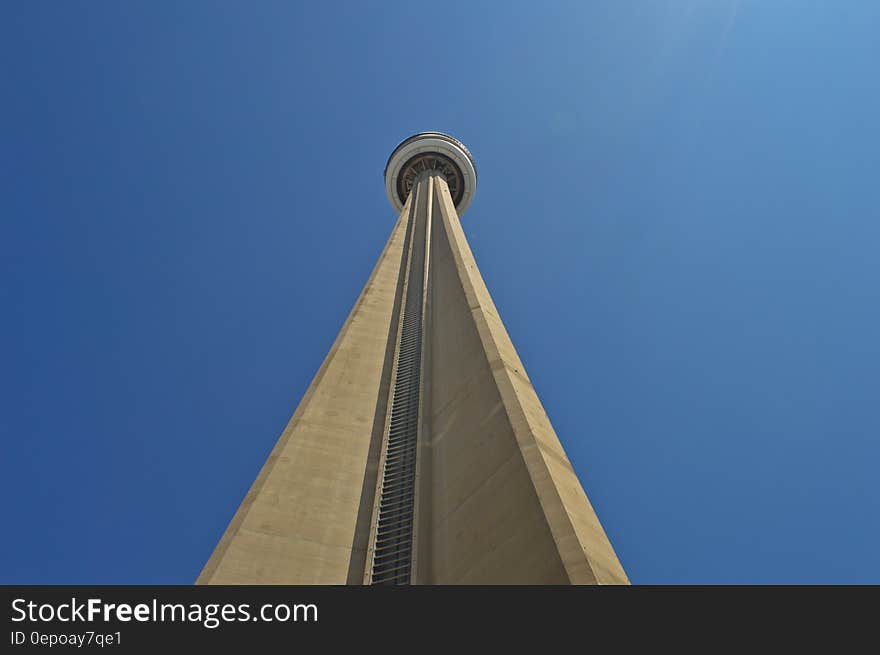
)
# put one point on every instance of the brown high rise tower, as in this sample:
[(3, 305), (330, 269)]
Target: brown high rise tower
[(420, 452)]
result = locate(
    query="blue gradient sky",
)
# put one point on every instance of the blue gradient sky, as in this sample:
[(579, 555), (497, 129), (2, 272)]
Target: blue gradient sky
[(677, 218)]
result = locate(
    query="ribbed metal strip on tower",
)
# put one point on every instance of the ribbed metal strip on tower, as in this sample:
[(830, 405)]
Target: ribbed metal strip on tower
[(393, 547)]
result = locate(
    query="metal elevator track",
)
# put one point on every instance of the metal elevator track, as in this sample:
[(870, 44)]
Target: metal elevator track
[(393, 546)]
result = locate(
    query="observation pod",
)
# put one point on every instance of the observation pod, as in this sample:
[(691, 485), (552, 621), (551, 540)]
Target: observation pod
[(431, 151)]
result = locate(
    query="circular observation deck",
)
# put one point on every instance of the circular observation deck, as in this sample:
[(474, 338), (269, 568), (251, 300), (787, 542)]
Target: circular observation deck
[(431, 151)]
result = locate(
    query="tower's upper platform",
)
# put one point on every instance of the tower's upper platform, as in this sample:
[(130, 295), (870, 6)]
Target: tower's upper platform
[(431, 151)]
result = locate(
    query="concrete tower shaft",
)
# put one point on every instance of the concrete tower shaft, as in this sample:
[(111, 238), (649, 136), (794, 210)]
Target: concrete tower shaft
[(420, 452)]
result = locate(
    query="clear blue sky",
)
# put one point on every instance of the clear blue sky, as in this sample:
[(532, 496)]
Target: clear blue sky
[(677, 217)]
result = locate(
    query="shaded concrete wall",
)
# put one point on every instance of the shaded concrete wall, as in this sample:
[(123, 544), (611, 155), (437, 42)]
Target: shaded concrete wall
[(505, 504), (305, 520)]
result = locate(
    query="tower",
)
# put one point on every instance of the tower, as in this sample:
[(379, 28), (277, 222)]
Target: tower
[(420, 453)]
